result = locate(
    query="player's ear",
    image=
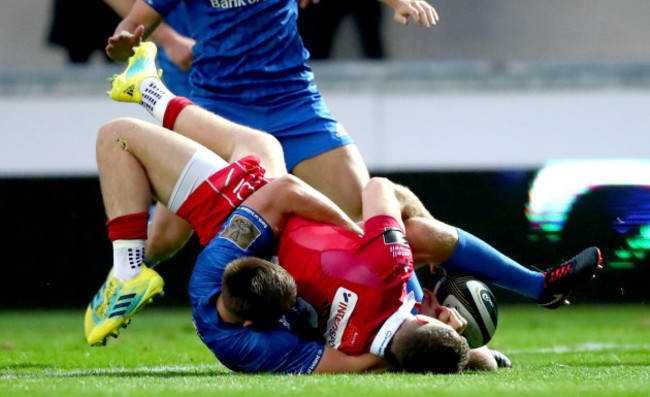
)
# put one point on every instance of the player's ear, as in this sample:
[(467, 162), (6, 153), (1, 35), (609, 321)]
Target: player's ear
[(248, 323)]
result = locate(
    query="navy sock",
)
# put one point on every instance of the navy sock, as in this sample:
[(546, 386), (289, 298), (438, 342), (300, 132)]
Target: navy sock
[(475, 257)]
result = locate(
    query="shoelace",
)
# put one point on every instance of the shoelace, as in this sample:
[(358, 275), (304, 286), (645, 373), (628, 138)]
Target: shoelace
[(558, 273), (110, 290)]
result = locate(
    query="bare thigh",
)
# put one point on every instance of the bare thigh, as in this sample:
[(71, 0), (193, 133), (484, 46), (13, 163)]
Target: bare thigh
[(340, 174)]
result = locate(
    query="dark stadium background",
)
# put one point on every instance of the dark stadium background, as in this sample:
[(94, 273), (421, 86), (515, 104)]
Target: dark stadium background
[(55, 251)]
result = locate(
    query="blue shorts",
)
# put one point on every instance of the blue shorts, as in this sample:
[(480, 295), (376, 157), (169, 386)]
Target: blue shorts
[(304, 126)]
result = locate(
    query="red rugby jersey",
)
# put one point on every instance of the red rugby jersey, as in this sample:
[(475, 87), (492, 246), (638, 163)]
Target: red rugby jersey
[(354, 282)]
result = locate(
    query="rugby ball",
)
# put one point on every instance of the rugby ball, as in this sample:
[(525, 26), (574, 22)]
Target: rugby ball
[(474, 301)]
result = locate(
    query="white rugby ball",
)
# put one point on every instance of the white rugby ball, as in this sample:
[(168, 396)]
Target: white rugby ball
[(474, 301)]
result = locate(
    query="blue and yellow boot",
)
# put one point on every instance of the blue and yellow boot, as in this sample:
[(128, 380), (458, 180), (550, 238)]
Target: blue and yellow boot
[(126, 85), (116, 303)]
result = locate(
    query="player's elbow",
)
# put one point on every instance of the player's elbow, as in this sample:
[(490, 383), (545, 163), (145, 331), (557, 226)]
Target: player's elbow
[(288, 188), (377, 184)]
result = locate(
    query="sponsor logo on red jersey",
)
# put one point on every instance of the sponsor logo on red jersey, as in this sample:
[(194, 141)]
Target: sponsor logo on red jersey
[(342, 307)]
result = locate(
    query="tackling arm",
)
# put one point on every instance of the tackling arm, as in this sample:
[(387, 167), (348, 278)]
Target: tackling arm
[(383, 197), (287, 196), (379, 198), (335, 361)]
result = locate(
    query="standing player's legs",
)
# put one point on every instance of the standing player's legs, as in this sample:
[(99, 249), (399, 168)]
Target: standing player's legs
[(340, 174)]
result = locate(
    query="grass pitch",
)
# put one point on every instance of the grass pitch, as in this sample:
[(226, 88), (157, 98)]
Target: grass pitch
[(574, 351)]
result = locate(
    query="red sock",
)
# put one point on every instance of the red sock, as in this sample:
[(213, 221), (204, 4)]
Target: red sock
[(173, 109), (128, 227)]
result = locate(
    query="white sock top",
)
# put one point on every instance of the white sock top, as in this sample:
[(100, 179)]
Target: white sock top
[(155, 97), (128, 256)]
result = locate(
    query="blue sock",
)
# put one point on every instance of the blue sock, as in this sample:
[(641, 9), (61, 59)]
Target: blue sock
[(475, 257), (413, 285)]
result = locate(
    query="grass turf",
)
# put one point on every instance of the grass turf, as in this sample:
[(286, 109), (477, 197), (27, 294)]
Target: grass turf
[(574, 351)]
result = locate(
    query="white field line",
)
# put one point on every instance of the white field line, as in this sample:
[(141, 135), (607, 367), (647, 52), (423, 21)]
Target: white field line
[(583, 347), (188, 370)]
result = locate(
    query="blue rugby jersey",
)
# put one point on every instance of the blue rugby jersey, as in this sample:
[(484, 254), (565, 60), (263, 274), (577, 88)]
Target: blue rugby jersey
[(247, 50), (178, 81), (243, 349)]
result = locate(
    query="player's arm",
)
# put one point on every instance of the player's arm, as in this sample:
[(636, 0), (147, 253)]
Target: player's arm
[(177, 46), (280, 351), (379, 198), (420, 11), (121, 7), (287, 196), (335, 361), (383, 197), (431, 241), (140, 22)]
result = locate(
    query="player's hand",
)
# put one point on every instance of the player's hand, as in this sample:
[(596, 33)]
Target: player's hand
[(422, 12), (305, 3), (120, 46), (451, 317)]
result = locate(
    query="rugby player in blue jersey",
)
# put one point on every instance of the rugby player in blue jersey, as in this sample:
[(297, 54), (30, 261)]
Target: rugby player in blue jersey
[(250, 67)]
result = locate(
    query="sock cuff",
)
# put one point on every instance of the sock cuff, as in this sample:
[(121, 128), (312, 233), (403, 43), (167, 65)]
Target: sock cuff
[(173, 110), (128, 227), (458, 251), (135, 243)]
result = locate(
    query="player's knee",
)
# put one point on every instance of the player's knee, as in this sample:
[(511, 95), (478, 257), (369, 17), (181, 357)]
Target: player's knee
[(108, 133), (288, 185)]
